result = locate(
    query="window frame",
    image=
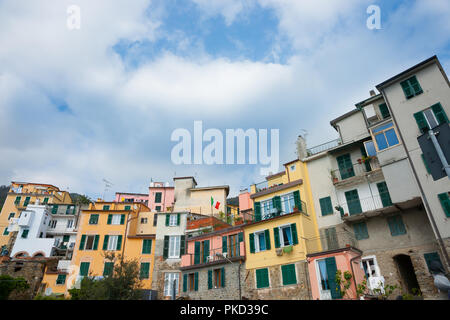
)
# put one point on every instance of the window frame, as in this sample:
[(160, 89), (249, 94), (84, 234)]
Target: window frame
[(174, 241), (167, 283), (375, 143), (281, 236)]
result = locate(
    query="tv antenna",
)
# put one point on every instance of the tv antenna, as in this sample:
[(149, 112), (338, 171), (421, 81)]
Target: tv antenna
[(107, 186)]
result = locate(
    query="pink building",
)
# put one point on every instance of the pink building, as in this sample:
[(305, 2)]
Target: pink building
[(131, 197), (322, 268), (160, 196)]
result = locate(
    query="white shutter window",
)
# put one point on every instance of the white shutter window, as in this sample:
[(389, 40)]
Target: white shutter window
[(115, 219), (112, 242), (173, 220), (166, 284), (169, 278)]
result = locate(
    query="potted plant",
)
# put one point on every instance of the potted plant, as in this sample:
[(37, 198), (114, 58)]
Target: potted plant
[(359, 161), (333, 176), (287, 249)]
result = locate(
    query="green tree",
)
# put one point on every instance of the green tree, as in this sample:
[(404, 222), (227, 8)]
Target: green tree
[(80, 199), (122, 284), (8, 284)]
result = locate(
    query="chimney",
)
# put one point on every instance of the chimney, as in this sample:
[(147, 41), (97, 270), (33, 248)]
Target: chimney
[(301, 148), (372, 93)]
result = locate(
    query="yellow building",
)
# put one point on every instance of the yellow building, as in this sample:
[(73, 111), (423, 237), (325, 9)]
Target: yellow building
[(283, 230), (22, 194), (108, 227)]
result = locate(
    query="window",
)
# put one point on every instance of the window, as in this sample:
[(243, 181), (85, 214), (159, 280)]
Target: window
[(143, 220), (17, 201), (353, 204), (108, 269), (173, 221), (158, 196), (169, 280), (84, 269), (361, 232), (385, 136), (293, 167), (262, 278), (345, 166), (384, 111), (396, 225), (116, 219), (370, 148), (411, 87), (155, 220), (190, 282), (89, 242), (429, 257), (370, 267), (61, 279), (445, 202), (219, 278), (112, 243), (55, 209), (127, 208), (288, 274), (384, 194), (158, 208), (26, 202), (147, 246), (25, 233), (287, 203), (93, 219), (145, 270), (266, 208), (325, 206), (5, 231), (105, 207), (52, 224), (430, 118), (174, 246), (262, 241), (70, 210), (326, 275), (69, 224), (45, 201), (11, 215)]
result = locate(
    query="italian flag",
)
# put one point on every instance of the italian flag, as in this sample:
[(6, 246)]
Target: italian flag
[(217, 203)]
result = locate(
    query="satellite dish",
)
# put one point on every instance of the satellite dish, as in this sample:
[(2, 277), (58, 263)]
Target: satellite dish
[(48, 291)]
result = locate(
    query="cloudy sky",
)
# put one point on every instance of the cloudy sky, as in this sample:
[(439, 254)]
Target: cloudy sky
[(101, 102)]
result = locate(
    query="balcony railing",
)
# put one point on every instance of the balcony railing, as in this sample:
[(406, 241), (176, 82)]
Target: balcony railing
[(330, 240), (358, 206), (274, 212), (215, 255), (261, 186), (323, 147), (355, 170)]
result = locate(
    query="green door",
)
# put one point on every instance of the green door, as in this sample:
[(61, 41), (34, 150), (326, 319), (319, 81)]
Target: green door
[(384, 194), (345, 166), (354, 206)]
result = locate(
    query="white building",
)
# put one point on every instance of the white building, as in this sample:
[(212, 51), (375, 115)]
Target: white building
[(45, 230)]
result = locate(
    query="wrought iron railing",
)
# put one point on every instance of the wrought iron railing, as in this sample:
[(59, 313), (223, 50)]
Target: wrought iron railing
[(355, 170), (358, 206)]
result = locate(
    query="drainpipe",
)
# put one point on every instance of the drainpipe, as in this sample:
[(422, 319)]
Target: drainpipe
[(353, 273), (239, 278), (422, 193)]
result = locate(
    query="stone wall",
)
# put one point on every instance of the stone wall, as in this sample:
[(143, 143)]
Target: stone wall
[(159, 269), (277, 291), (229, 292)]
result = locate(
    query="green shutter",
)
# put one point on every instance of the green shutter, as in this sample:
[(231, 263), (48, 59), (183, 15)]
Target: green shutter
[(55, 209), (209, 279), (109, 218), (158, 196), (251, 241), (384, 194), (294, 233), (93, 219), (205, 250), (429, 257), (331, 273), (421, 122), (108, 268), (25, 233), (267, 238), (276, 237), (122, 219), (257, 211), (119, 242), (445, 202), (241, 236), (262, 278), (354, 206), (325, 206), (82, 242), (425, 164), (224, 244), (196, 281), (182, 245), (396, 225), (384, 111), (297, 200), (222, 273), (178, 219), (167, 220), (105, 207), (439, 113), (185, 280), (197, 252), (61, 279), (84, 269), (147, 246), (361, 232), (288, 274), (17, 201), (166, 247), (5, 232), (367, 163), (45, 201), (96, 239), (105, 242), (414, 84), (144, 270), (127, 207), (26, 202), (276, 202), (345, 166), (407, 89)]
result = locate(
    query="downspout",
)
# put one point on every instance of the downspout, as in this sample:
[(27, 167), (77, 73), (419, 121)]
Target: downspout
[(422, 193), (239, 278), (353, 273)]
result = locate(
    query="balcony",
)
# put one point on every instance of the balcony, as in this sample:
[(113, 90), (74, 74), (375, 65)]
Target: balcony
[(369, 206), (215, 256), (323, 147), (356, 172), (331, 240), (261, 186)]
